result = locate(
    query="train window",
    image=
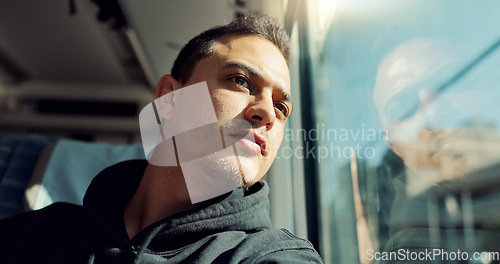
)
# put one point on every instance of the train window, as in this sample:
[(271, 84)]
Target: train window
[(407, 129)]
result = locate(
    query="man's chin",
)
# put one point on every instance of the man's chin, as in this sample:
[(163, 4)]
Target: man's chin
[(250, 170)]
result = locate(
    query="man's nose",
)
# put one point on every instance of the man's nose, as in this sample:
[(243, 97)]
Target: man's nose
[(260, 111)]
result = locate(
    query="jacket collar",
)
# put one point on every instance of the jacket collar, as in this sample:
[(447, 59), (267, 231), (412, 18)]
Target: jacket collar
[(113, 188)]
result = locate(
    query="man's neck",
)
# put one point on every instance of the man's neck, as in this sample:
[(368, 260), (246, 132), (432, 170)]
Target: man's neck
[(162, 192)]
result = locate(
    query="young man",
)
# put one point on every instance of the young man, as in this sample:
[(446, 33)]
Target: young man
[(135, 212)]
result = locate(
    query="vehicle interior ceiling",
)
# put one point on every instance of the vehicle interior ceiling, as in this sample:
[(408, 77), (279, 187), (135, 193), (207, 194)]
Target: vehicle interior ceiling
[(85, 69)]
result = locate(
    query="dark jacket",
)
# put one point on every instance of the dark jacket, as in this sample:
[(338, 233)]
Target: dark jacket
[(233, 228)]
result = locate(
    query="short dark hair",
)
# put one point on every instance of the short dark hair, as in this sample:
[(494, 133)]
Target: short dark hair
[(201, 46)]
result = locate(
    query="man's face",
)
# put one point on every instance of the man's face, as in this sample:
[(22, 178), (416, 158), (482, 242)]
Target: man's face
[(249, 82)]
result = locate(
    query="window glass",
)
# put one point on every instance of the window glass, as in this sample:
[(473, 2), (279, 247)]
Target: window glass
[(406, 101)]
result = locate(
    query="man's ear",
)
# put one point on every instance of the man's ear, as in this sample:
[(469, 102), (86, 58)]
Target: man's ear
[(165, 96), (166, 84)]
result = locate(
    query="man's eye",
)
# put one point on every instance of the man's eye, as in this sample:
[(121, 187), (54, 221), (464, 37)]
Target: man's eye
[(282, 108), (240, 81)]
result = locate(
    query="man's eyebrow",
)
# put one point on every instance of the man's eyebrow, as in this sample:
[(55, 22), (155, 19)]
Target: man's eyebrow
[(244, 67), (287, 97)]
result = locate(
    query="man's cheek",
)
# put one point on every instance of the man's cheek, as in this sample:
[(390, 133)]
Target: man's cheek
[(273, 151), (227, 106), (279, 138)]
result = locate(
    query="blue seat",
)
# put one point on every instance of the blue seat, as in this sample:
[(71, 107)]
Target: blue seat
[(36, 171), (18, 157)]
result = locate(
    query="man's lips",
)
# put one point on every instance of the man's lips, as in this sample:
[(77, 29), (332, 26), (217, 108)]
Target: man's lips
[(252, 141), (251, 146), (261, 141)]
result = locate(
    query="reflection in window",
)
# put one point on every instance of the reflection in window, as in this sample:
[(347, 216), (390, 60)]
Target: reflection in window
[(414, 85)]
